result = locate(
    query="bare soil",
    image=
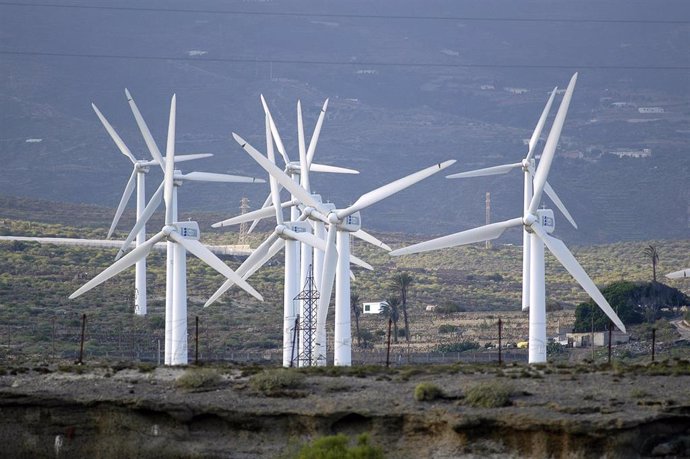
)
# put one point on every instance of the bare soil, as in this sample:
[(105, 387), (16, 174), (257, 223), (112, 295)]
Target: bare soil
[(554, 411)]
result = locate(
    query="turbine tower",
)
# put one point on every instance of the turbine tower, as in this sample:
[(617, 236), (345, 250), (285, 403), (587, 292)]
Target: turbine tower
[(137, 179), (341, 223), (528, 168), (539, 224), (181, 237)]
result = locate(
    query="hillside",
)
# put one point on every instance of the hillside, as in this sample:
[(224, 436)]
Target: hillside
[(35, 282), (410, 84)]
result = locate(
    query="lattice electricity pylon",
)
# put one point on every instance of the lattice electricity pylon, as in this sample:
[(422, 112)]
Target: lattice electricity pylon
[(308, 300)]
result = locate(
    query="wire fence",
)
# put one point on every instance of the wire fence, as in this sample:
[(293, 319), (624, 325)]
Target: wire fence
[(61, 341)]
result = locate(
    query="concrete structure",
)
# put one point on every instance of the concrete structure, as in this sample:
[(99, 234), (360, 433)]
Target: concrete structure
[(599, 339), (372, 308)]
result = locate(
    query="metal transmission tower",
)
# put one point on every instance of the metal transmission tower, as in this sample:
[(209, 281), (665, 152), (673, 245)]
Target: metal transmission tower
[(307, 301), (244, 207), (488, 215)]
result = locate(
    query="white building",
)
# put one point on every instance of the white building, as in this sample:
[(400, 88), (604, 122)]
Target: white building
[(650, 110), (373, 308)]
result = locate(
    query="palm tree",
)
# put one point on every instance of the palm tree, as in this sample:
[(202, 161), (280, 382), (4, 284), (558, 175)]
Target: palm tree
[(402, 282), (356, 311), (652, 253), (391, 309)]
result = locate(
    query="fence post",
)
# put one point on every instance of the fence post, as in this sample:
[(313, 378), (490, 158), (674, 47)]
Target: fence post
[(81, 347), (388, 351), (500, 328), (610, 334), (196, 342), (653, 342)]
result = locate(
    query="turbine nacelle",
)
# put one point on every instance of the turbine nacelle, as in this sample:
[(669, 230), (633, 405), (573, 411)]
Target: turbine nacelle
[(188, 230), (546, 220), (350, 223)]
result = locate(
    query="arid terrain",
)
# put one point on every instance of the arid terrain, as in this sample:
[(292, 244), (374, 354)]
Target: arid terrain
[(556, 410)]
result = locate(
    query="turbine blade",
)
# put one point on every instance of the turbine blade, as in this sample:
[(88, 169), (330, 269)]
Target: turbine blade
[(282, 178), (123, 201), (483, 233), (275, 191), (330, 263), (274, 131), (120, 265), (272, 251), (385, 191), (255, 260), (255, 215), (361, 263), (550, 147), (145, 216), (556, 200), (114, 135), (200, 251), (306, 238), (331, 169), (145, 132), (682, 274), (192, 157), (363, 235), (315, 136), (540, 125), (170, 163), (303, 163), (495, 170), (220, 178), (566, 258)]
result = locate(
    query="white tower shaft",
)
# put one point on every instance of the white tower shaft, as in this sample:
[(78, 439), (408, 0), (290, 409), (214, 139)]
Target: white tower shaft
[(342, 340), (290, 291), (140, 270), (169, 282), (537, 308), (527, 197), (179, 307)]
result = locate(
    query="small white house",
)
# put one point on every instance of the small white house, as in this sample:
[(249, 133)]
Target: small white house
[(373, 308)]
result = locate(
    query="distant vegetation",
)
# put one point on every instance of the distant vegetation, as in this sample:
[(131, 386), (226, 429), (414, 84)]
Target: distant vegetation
[(634, 302), (35, 281)]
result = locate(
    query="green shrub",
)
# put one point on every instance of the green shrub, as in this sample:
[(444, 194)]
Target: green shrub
[(489, 395), (338, 447), (197, 378), (276, 382), (461, 346), (427, 392)]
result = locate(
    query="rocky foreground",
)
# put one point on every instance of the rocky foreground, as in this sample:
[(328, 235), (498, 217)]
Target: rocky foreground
[(250, 412)]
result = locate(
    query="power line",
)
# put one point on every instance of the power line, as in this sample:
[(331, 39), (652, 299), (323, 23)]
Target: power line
[(250, 60), (346, 15)]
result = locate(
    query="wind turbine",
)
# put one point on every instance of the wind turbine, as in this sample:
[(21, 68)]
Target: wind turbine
[(137, 179), (341, 222), (181, 237), (539, 224), (287, 235), (528, 168)]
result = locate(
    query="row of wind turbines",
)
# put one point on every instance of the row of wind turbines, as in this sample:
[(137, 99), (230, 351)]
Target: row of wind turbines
[(316, 238)]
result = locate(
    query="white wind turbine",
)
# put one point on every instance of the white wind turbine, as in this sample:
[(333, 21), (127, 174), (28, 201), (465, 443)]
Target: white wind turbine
[(342, 222), (286, 235), (528, 168), (181, 237), (137, 179), (539, 223)]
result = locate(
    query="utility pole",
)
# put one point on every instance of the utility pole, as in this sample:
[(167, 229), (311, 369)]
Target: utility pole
[(81, 347), (488, 215), (196, 343), (500, 329)]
